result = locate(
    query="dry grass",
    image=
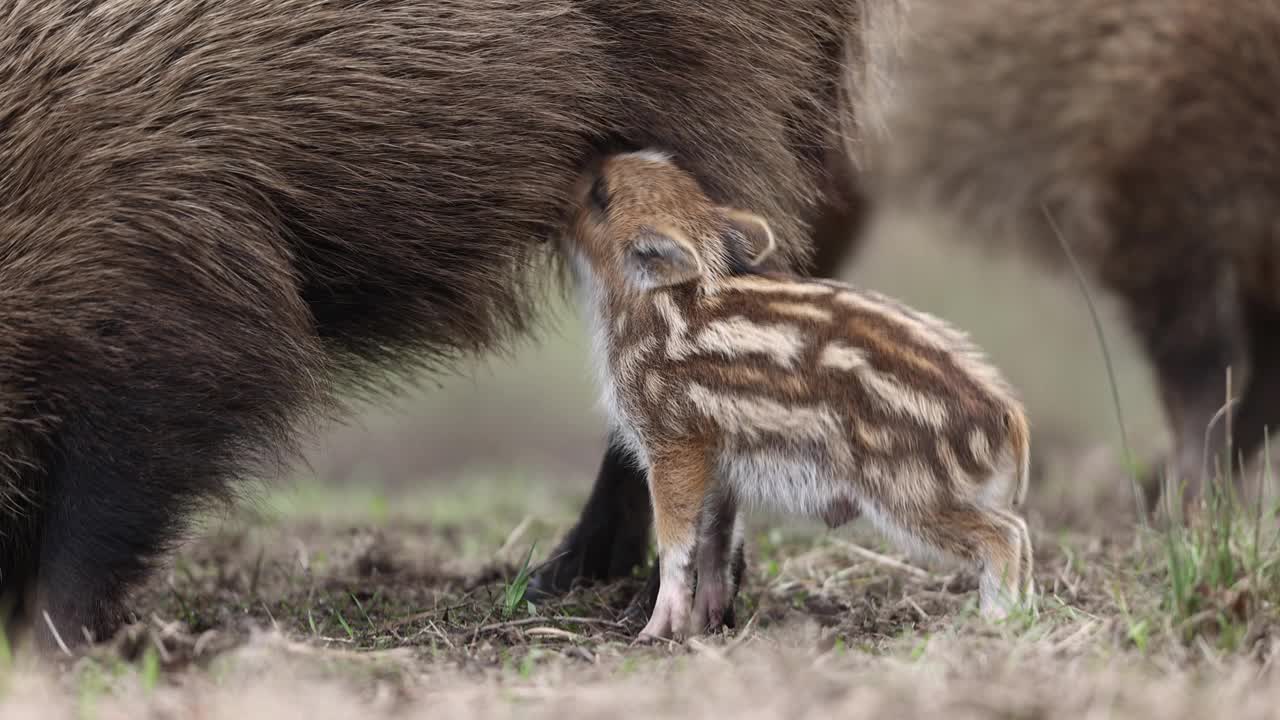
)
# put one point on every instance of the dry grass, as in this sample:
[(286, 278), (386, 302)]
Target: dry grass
[(297, 618)]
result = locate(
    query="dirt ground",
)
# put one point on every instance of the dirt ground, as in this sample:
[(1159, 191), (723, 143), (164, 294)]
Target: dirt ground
[(383, 580), (398, 617)]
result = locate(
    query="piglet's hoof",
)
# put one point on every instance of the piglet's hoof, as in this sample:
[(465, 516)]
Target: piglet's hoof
[(658, 631), (645, 639), (710, 604), (669, 620)]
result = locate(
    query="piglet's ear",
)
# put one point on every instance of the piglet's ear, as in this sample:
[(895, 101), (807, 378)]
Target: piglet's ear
[(658, 259), (750, 241)]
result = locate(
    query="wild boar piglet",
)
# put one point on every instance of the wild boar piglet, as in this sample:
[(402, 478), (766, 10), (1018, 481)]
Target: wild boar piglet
[(736, 387)]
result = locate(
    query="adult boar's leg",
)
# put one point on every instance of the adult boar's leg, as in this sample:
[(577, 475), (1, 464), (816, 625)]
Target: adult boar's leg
[(612, 533)]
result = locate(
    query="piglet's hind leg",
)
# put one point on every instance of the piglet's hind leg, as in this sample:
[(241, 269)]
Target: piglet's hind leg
[(718, 546), (993, 540)]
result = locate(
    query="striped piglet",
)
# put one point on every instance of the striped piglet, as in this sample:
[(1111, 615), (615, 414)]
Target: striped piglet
[(737, 387)]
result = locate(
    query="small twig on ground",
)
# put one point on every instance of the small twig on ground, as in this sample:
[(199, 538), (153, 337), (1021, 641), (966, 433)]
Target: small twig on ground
[(56, 636), (884, 560), (424, 615), (157, 640), (344, 641), (202, 642), (924, 616), (743, 635), (167, 628), (554, 633), (837, 577), (442, 634), (535, 620), (270, 616)]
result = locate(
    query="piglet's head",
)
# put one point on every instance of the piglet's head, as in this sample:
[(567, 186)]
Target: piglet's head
[(640, 222)]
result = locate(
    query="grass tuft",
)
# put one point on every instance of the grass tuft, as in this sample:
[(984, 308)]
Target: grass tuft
[(514, 591), (1222, 570)]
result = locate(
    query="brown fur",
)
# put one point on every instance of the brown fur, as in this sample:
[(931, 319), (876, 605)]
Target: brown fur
[(650, 252), (214, 215), (1150, 131)]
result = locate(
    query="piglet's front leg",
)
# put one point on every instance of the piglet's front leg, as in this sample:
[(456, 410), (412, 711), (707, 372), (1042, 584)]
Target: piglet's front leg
[(678, 481)]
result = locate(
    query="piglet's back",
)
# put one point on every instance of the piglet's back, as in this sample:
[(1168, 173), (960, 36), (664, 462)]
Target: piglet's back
[(769, 359)]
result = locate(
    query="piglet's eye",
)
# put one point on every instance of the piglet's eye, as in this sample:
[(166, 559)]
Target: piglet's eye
[(599, 194)]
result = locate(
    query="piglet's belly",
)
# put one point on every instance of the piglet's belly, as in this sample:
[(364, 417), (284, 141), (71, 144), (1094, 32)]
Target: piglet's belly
[(793, 485)]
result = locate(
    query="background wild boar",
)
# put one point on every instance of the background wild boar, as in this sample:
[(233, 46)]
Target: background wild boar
[(1150, 132)]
